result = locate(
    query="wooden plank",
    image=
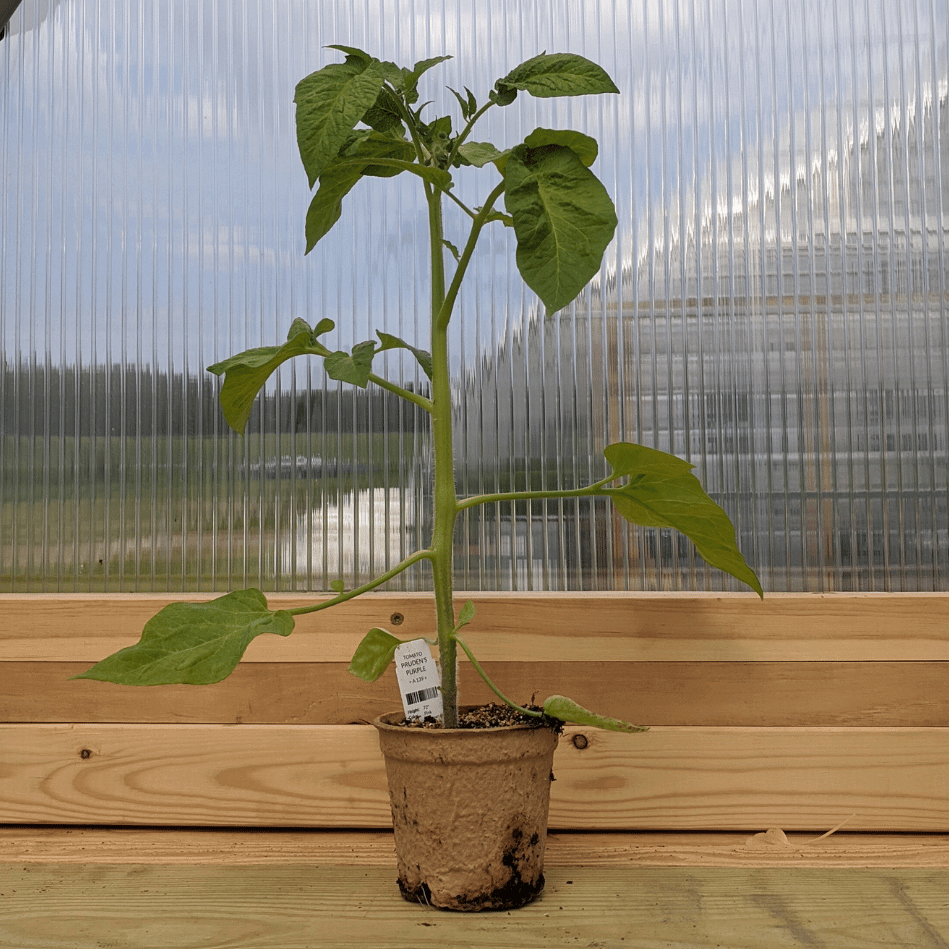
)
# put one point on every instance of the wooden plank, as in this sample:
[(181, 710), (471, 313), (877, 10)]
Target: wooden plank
[(890, 779), (371, 848), (618, 626), (725, 849), (69, 906), (901, 694)]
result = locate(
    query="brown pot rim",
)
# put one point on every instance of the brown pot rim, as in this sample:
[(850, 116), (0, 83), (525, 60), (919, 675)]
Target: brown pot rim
[(381, 723)]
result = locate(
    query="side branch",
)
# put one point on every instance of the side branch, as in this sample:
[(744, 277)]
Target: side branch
[(481, 218)]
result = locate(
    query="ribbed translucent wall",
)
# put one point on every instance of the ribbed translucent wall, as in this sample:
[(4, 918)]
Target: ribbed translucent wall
[(774, 306)]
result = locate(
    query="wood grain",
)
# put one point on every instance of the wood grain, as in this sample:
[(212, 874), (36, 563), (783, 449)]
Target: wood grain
[(903, 694), (890, 779), (371, 848), (69, 906), (520, 627), (727, 680)]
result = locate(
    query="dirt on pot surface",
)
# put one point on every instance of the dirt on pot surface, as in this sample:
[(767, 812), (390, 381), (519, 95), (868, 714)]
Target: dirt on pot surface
[(520, 856), (488, 716)]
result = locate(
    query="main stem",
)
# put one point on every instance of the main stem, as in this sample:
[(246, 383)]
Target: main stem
[(445, 500)]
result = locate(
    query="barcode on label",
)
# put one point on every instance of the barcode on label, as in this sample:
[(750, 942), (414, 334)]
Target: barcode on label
[(413, 698)]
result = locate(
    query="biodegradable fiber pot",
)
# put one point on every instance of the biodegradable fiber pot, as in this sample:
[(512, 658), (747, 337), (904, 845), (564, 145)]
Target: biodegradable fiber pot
[(469, 810)]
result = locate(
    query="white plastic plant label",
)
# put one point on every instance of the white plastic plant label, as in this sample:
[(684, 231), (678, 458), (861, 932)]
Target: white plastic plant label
[(419, 680)]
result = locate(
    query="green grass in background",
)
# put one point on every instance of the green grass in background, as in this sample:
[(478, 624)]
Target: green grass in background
[(169, 512)]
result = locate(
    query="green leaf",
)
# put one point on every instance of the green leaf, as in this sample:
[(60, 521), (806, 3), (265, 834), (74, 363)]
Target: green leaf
[(384, 116), (583, 145), (452, 249), (559, 706), (193, 643), (352, 52), (558, 74), (321, 328), (341, 176), (423, 65), (246, 373), (388, 341), (354, 367), (472, 102), (505, 219), (411, 77), (502, 94), (662, 492), (563, 218), (480, 153), (327, 204), (373, 654), (627, 459), (462, 102), (329, 104), (337, 586), (468, 105), (394, 75), (466, 615)]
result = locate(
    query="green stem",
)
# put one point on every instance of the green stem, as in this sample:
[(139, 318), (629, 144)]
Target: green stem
[(481, 218), (490, 684), (592, 490), (445, 500), (366, 587)]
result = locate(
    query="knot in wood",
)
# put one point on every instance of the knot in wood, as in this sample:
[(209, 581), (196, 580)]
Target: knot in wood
[(580, 742)]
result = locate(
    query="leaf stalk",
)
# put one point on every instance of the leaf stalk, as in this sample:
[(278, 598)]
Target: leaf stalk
[(592, 490), (418, 556), (395, 389), (478, 668)]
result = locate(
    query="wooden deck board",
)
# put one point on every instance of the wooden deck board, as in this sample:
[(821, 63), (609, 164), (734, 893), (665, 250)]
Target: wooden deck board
[(300, 906), (208, 846)]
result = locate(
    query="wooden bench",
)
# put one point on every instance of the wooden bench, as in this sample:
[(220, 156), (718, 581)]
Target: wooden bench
[(255, 810)]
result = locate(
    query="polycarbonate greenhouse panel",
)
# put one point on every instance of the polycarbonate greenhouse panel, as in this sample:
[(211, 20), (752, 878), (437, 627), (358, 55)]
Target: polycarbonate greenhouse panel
[(774, 306)]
